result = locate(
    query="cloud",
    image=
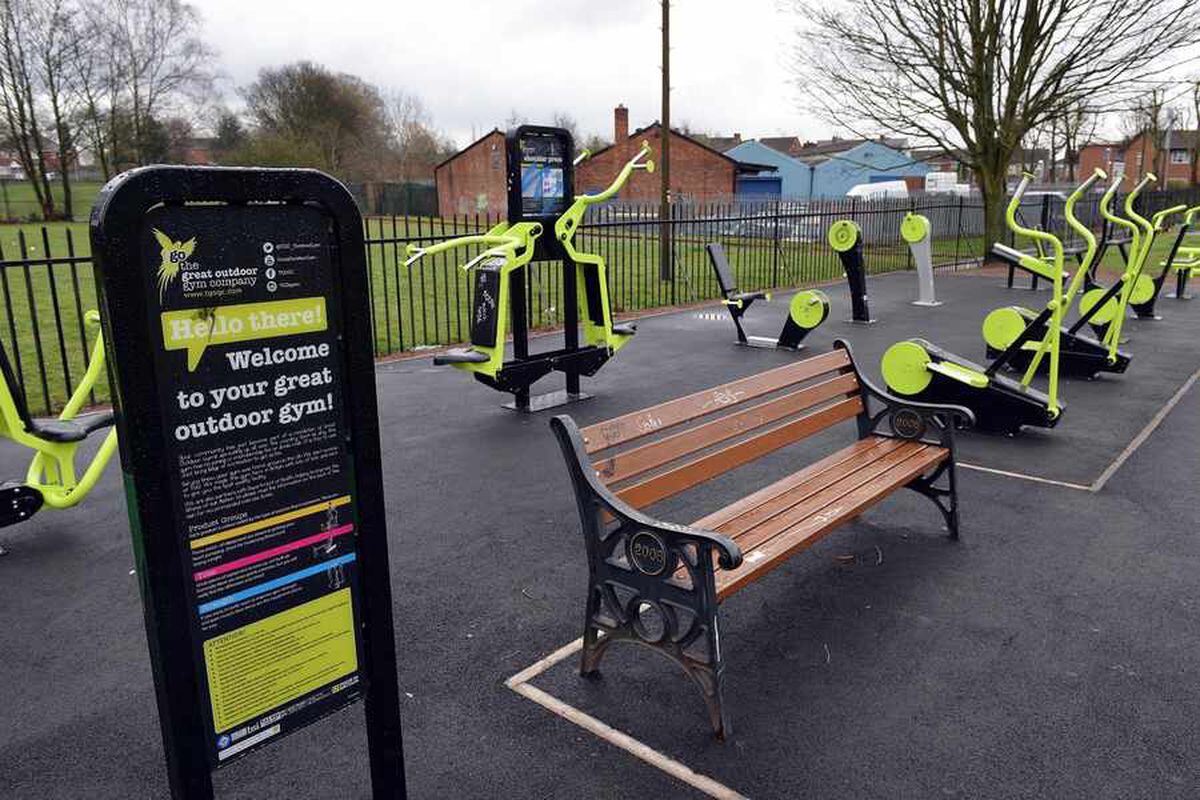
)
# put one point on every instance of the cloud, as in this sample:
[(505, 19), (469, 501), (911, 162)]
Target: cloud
[(472, 63)]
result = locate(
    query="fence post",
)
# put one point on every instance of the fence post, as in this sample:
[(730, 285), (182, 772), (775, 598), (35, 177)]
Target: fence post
[(776, 244)]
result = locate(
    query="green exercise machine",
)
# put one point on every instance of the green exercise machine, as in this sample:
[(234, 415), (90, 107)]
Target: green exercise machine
[(1105, 309), (806, 310), (918, 233), (540, 196), (846, 239), (1184, 258), (52, 479), (1080, 355), (918, 369)]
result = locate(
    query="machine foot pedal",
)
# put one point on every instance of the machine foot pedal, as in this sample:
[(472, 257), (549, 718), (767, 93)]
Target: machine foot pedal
[(461, 356), (18, 503)]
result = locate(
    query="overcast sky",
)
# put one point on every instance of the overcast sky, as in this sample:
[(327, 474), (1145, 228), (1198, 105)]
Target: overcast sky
[(474, 63)]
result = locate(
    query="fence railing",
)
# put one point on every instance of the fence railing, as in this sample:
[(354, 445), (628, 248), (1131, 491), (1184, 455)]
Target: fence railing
[(46, 282)]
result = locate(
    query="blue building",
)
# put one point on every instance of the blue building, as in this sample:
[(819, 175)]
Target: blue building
[(825, 169)]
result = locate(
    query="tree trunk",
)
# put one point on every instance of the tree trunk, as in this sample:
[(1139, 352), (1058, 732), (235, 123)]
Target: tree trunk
[(992, 183)]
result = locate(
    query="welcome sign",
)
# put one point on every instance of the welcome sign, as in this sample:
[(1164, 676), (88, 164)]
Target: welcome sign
[(235, 302)]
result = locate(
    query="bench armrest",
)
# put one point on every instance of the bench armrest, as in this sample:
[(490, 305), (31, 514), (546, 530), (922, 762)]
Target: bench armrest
[(583, 476), (942, 417)]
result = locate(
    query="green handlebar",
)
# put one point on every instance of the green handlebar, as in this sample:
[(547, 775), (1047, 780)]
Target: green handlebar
[(1106, 206), (1083, 188), (1158, 218), (622, 177), (1130, 198), (1010, 216), (491, 239)]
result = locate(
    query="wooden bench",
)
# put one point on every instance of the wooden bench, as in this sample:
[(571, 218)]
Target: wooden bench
[(658, 583)]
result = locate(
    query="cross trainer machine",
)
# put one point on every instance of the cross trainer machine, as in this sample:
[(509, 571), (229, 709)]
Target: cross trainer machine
[(540, 178), (845, 237), (916, 230), (918, 369), (1080, 355), (1105, 308), (807, 309), (52, 480), (1184, 259)]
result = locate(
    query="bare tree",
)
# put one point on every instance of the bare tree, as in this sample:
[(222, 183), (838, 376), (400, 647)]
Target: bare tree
[(19, 21), (1078, 127), (979, 75), (1195, 152), (54, 36), (418, 147), (157, 59)]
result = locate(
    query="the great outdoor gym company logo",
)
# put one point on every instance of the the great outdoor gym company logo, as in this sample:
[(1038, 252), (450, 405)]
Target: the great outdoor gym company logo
[(174, 256)]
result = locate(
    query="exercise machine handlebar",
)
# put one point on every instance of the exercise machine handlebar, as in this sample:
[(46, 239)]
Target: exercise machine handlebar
[(1158, 218), (497, 243), (1083, 230), (633, 164), (1010, 216), (1131, 198)]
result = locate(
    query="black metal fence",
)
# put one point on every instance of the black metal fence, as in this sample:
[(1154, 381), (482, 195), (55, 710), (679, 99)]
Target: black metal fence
[(46, 283)]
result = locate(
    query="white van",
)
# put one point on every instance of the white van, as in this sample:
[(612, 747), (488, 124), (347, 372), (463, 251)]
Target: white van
[(876, 191)]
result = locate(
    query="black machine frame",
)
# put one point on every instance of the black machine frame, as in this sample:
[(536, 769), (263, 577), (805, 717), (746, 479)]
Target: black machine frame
[(572, 359)]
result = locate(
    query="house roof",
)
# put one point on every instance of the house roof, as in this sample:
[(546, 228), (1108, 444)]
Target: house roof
[(826, 148), (784, 144), (740, 166), (478, 141), (720, 143)]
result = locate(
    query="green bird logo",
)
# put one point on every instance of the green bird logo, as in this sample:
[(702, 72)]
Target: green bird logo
[(173, 255)]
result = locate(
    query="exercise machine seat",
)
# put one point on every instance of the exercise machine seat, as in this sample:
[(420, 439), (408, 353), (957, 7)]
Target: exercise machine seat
[(624, 328), (461, 355), (70, 430)]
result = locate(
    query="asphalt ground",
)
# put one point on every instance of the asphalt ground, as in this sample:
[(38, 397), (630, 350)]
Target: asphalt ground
[(1054, 651)]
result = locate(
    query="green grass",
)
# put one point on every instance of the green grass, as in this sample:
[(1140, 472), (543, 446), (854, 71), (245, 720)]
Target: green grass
[(426, 304), (18, 202)]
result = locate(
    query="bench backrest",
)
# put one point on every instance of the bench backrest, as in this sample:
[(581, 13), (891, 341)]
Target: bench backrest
[(725, 278), (650, 455)]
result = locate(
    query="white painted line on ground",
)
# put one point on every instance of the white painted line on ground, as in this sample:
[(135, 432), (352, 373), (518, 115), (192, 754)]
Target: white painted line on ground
[(1024, 477), (519, 683), (1144, 434), (1112, 468)]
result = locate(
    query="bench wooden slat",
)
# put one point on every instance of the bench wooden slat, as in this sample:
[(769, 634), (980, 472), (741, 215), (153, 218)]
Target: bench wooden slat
[(698, 470), (644, 458), (798, 486), (809, 503), (656, 419), (769, 555)]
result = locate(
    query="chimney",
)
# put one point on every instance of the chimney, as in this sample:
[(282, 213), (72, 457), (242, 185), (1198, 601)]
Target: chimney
[(620, 124), (737, 137)]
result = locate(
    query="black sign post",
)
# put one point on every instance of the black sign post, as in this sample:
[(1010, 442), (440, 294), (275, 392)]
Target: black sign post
[(235, 312)]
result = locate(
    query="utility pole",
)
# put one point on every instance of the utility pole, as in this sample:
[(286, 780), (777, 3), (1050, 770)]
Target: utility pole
[(665, 267)]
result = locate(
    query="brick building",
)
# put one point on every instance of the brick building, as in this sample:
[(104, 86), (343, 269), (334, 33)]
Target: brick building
[(1108, 156), (698, 172), (473, 179), (1172, 164)]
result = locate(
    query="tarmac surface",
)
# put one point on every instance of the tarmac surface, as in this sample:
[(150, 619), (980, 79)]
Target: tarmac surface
[(1054, 651)]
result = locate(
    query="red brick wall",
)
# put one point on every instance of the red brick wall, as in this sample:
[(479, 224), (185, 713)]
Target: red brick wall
[(1141, 157), (474, 180), (696, 172), (1104, 156)]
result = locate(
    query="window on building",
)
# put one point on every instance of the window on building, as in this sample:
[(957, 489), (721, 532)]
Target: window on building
[(1179, 156), (495, 157)]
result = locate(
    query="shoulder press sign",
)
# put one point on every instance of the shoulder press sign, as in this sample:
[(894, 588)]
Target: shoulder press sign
[(250, 446)]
